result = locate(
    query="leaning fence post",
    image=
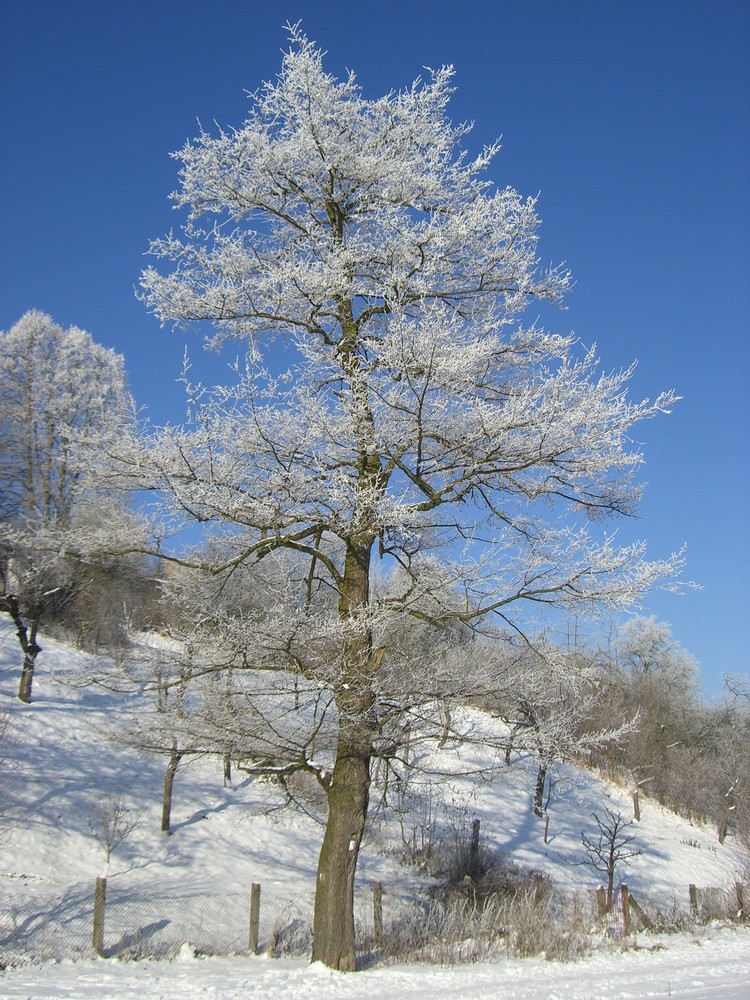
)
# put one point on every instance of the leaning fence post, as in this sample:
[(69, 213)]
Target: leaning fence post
[(100, 898), (636, 908), (377, 913), (254, 918), (546, 828), (693, 893), (625, 900)]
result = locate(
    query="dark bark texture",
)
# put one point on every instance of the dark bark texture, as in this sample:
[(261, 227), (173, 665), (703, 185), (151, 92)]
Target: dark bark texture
[(27, 639)]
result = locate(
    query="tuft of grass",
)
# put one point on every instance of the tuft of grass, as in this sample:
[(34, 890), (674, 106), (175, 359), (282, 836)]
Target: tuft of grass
[(509, 911)]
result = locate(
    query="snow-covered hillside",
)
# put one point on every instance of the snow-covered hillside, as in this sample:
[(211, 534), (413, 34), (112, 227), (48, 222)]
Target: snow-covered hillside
[(61, 765)]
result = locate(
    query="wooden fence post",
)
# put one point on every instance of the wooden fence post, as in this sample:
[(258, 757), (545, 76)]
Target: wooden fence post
[(546, 828), (601, 900), (100, 898), (693, 893), (625, 901), (636, 908), (254, 918), (474, 850), (636, 806), (377, 913)]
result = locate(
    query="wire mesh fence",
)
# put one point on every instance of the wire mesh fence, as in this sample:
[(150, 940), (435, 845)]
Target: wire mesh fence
[(714, 903), (39, 926), (616, 918), (139, 921)]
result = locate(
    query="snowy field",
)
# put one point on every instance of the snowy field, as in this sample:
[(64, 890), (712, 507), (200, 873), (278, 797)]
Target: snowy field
[(692, 968), (60, 762)]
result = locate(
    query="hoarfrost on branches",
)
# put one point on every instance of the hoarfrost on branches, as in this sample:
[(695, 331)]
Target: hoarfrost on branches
[(415, 418), (61, 395)]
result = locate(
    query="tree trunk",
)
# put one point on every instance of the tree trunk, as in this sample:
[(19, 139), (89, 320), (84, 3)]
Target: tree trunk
[(729, 805), (348, 794), (166, 805), (349, 789), (27, 639), (636, 806), (27, 674), (541, 777), (723, 827), (610, 887), (446, 727), (473, 871)]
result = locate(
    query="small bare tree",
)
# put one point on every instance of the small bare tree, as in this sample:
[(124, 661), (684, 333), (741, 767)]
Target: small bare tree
[(609, 846), (111, 823)]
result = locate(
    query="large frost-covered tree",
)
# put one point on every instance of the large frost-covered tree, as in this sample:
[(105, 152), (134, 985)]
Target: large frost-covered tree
[(59, 389), (393, 408)]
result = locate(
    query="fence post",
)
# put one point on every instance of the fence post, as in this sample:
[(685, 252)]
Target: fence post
[(254, 918), (474, 850), (625, 900), (546, 828), (377, 913), (636, 908), (100, 898), (693, 893), (636, 806), (601, 900)]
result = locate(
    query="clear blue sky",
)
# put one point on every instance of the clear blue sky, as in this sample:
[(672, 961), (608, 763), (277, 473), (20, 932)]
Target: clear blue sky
[(631, 119)]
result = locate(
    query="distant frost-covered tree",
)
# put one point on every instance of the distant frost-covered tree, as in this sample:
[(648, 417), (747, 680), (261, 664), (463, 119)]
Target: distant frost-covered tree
[(646, 673), (548, 698), (404, 412), (58, 390), (732, 756)]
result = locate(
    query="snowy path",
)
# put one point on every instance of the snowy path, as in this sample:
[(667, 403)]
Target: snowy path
[(687, 969)]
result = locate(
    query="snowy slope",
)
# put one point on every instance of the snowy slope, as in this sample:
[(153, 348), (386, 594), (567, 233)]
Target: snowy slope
[(64, 763), (60, 763)]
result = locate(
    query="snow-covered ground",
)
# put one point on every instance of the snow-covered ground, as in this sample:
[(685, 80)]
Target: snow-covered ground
[(60, 765), (715, 968)]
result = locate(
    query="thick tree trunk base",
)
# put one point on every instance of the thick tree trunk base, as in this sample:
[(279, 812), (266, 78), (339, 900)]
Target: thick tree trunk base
[(333, 925)]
